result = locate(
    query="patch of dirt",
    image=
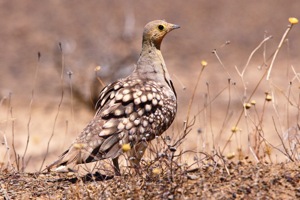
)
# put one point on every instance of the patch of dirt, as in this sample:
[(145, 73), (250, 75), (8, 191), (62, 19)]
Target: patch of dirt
[(231, 181)]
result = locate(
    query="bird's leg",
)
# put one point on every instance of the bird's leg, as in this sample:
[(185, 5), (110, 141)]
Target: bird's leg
[(116, 166), (136, 155)]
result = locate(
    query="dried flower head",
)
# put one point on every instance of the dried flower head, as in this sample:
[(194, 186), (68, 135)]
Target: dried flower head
[(234, 129), (79, 145), (293, 20), (268, 97), (156, 170), (253, 102), (247, 105), (126, 147), (97, 68), (268, 150), (230, 155), (203, 63)]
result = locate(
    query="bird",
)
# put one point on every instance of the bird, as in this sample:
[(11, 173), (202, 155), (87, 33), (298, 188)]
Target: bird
[(131, 111)]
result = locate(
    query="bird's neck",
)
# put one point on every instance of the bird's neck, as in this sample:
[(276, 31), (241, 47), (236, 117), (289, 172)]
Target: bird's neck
[(151, 64)]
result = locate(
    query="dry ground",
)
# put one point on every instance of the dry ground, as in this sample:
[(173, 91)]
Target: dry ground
[(242, 180), (108, 34)]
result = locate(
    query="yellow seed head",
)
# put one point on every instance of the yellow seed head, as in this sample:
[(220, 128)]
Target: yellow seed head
[(230, 155), (234, 129), (268, 150), (253, 102), (97, 68), (268, 97), (79, 145), (70, 174), (241, 155), (293, 20), (126, 147), (203, 63), (156, 171), (247, 105)]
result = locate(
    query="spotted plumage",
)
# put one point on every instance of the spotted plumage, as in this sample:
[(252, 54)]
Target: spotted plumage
[(133, 110)]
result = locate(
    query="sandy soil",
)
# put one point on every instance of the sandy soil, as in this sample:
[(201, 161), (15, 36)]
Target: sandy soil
[(242, 180)]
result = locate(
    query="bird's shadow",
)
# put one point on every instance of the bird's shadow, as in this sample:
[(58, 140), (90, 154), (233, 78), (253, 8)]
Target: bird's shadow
[(86, 178)]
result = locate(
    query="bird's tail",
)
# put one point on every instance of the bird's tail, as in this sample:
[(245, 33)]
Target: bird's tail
[(74, 155)]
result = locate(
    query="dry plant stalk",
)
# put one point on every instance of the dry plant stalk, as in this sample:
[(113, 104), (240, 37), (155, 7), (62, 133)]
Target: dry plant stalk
[(30, 110), (292, 21), (267, 72), (204, 64), (59, 105)]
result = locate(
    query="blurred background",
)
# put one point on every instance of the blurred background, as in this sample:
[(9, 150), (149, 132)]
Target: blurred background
[(83, 35)]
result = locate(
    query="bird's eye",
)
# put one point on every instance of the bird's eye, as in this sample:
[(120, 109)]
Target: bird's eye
[(161, 27)]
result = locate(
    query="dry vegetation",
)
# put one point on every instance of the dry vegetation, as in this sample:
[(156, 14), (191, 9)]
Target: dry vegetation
[(237, 129)]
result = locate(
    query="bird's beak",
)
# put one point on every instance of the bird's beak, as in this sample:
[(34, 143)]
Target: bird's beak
[(174, 26)]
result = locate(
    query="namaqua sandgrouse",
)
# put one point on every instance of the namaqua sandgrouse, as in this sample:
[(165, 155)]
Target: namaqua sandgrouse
[(132, 111)]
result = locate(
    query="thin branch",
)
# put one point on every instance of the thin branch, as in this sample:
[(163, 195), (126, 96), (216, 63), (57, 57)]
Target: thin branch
[(223, 66), (253, 52), (30, 110), (277, 50), (59, 105), (193, 94)]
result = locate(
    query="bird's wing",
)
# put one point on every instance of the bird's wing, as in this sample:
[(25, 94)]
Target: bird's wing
[(99, 139)]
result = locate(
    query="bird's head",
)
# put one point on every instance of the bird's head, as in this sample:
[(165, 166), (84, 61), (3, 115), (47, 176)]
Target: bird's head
[(155, 31)]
